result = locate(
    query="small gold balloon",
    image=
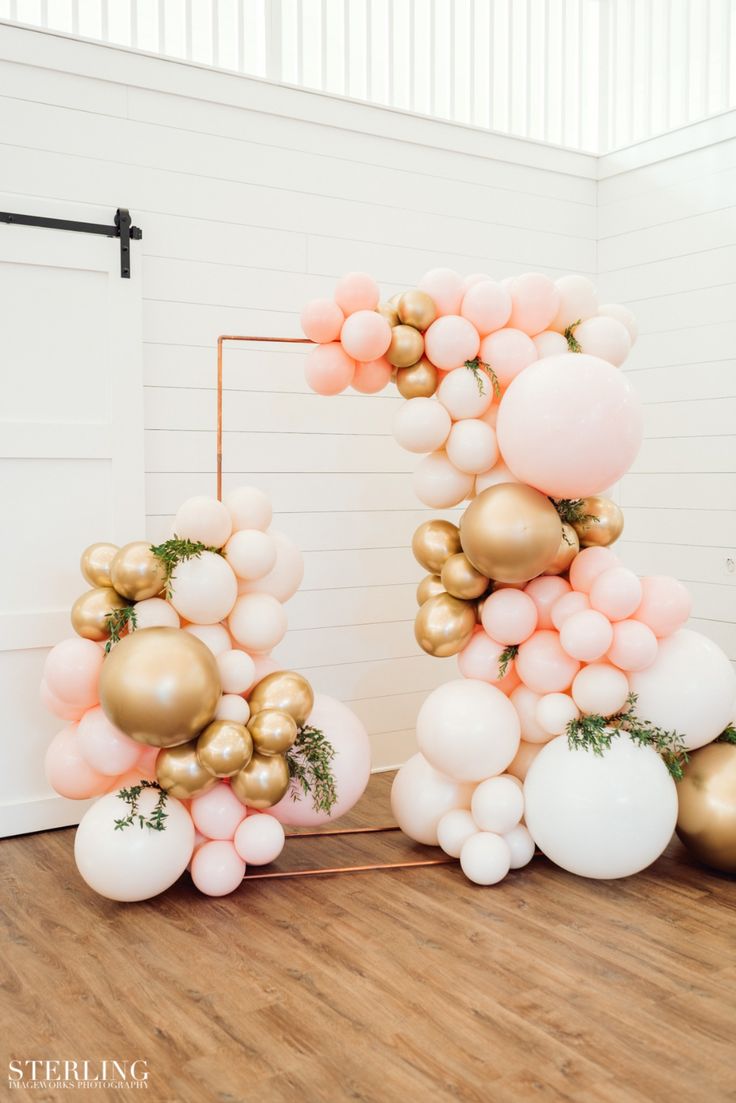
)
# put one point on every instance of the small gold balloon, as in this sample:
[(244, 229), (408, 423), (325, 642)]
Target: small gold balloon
[(284, 690), (272, 731), (460, 578), (224, 747), (433, 543), (91, 610), (706, 821), (510, 532), (418, 381), (96, 562), (136, 573), (607, 526), (263, 782), (430, 586), (444, 624), (180, 773), (417, 309), (566, 552), (390, 312), (406, 348)]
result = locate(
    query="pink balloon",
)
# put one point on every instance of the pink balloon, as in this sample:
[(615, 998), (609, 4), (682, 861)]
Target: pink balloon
[(509, 616), (634, 645), (586, 635), (259, 839), (103, 747), (480, 658), (499, 473), (450, 341), (544, 592), (421, 425), (322, 321), (58, 707), (543, 666), (525, 755), (476, 277), (72, 671), (439, 484), (509, 352), (445, 288), (578, 300), (525, 702), (570, 425), (588, 565), (600, 688), (486, 305), (356, 291), (365, 335), (217, 869), (460, 395), (328, 369), (566, 607), (284, 578), (471, 445), (549, 343), (351, 765), (66, 770), (616, 593), (372, 376), (665, 604), (147, 761), (604, 337), (217, 812), (264, 665), (535, 302)]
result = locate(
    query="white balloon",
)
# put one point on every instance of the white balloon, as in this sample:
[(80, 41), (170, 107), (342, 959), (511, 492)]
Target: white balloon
[(259, 839), (471, 446), (555, 711), (468, 729), (214, 636), (621, 314), (237, 671), (453, 829), (233, 707), (499, 473), (525, 702), (601, 689), (439, 484), (689, 688), (422, 425), (521, 846), (420, 797), (249, 508), (605, 338), (203, 519), (460, 394), (284, 579), (578, 301), (251, 553), (154, 612), (550, 343), (497, 804), (204, 589), (258, 622), (485, 858), (600, 816)]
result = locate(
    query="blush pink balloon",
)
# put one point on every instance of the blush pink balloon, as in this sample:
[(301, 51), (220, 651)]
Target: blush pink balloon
[(58, 707), (535, 301), (471, 445), (525, 701), (328, 368), (508, 352), (509, 616), (549, 343), (147, 761), (421, 425), (322, 321), (72, 671), (217, 812), (634, 645), (259, 839), (216, 868), (616, 593), (525, 755), (604, 337), (372, 376), (480, 659), (586, 635), (356, 291), (67, 771), (365, 335), (544, 592), (284, 578), (499, 473), (445, 288), (600, 688), (665, 604), (566, 606), (450, 341), (570, 426), (542, 664), (476, 277), (588, 565), (264, 665), (460, 395), (486, 305), (578, 299), (438, 483), (103, 746)]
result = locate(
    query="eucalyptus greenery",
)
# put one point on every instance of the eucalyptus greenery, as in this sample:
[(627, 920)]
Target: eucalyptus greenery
[(310, 768), (118, 622), (728, 735), (480, 370), (571, 511), (507, 655), (572, 342), (175, 551), (595, 733), (131, 797)]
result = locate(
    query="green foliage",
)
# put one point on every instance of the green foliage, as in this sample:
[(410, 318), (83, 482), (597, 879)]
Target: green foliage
[(507, 655), (572, 512), (175, 551), (480, 370), (594, 733), (309, 761), (572, 342), (118, 622), (131, 796), (728, 735)]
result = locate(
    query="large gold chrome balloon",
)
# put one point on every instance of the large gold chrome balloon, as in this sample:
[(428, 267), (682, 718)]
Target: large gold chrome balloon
[(91, 610), (607, 526), (418, 381), (510, 532), (566, 552), (273, 731), (430, 586), (224, 747), (284, 690), (96, 562), (460, 578), (136, 573), (263, 782), (407, 346), (706, 821), (417, 309), (390, 312), (433, 543), (444, 624), (181, 774), (161, 686)]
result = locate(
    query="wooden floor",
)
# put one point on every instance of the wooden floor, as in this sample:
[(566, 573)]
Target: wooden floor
[(393, 986)]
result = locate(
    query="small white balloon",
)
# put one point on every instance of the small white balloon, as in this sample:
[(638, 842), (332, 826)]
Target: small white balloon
[(554, 712), (249, 508), (422, 425), (259, 839), (521, 846), (471, 446), (461, 396), (550, 343), (251, 553), (605, 338), (453, 829), (203, 520), (258, 622), (439, 484), (525, 702), (420, 797), (204, 589), (237, 671), (601, 689), (154, 612), (214, 636), (284, 578), (499, 473), (497, 804), (233, 707), (578, 301), (621, 314), (468, 729), (485, 858)]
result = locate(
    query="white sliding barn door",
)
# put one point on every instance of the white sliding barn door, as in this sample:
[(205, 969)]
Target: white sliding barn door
[(71, 469)]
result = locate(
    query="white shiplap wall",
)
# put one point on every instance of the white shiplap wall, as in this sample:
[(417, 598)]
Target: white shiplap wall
[(254, 199), (667, 248)]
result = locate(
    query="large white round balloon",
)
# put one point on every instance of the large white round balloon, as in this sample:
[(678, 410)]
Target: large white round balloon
[(468, 729), (689, 688), (601, 816), (421, 796)]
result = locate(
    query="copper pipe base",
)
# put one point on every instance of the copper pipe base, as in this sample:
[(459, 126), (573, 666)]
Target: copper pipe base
[(346, 869)]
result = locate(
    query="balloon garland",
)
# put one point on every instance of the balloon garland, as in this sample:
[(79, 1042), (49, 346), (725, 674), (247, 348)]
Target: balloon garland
[(515, 402), (197, 745)]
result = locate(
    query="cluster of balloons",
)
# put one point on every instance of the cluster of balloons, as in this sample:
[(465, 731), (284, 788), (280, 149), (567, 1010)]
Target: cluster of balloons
[(182, 712)]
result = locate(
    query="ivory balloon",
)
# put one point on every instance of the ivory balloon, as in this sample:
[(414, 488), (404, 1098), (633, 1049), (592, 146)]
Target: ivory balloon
[(251, 553), (180, 773), (233, 707), (521, 846), (600, 689), (136, 573), (462, 396), (486, 305), (510, 532), (259, 839), (550, 343), (526, 702), (443, 625), (497, 804), (439, 484), (430, 586), (95, 563), (621, 314), (451, 341), (469, 730), (604, 337), (485, 858), (555, 711), (525, 755), (419, 380), (406, 348), (509, 352), (217, 869), (218, 812), (91, 612), (237, 671), (214, 636), (286, 691), (284, 578), (205, 520), (272, 731), (706, 820), (249, 508), (224, 747), (535, 302), (471, 445), (263, 782), (578, 301), (603, 525), (154, 612), (417, 309), (499, 473), (434, 542), (453, 829), (460, 578), (422, 425), (204, 589), (421, 796), (258, 621)]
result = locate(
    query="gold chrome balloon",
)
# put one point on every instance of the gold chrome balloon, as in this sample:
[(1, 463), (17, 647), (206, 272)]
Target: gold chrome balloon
[(390, 312), (706, 821), (433, 543), (224, 747), (607, 526), (263, 782), (430, 586), (161, 686), (460, 578), (406, 348), (285, 690), (136, 573), (444, 624), (510, 532), (417, 309), (96, 562), (566, 552), (418, 381), (181, 774), (91, 610), (273, 731)]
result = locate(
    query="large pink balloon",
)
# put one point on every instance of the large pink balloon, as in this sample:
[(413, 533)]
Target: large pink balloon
[(570, 425), (351, 766), (450, 341), (328, 368), (66, 770), (72, 671), (543, 666)]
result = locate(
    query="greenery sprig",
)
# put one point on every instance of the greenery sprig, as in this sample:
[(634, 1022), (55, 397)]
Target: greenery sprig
[(572, 511), (728, 735), (595, 733), (118, 622), (175, 551), (572, 342), (480, 369), (309, 761), (131, 796), (507, 655)]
